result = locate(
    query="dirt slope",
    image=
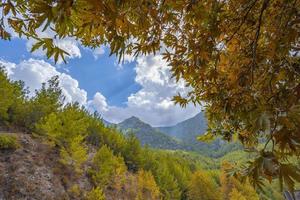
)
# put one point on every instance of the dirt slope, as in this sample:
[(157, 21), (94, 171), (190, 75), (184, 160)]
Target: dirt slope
[(33, 172)]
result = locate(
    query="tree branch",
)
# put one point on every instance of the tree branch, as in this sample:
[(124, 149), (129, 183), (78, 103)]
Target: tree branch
[(257, 34), (243, 21)]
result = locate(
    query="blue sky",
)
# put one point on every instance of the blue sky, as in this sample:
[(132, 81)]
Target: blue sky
[(140, 86), (93, 75)]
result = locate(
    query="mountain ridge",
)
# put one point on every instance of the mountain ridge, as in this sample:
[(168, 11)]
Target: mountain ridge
[(148, 135), (193, 126), (181, 136)]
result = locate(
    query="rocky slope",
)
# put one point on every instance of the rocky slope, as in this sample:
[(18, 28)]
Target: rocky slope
[(33, 172)]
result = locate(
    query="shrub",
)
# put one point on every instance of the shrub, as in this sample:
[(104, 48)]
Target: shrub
[(75, 191), (95, 194), (8, 142)]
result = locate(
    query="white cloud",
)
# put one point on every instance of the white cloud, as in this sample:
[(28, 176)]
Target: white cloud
[(98, 103), (97, 52), (35, 72), (128, 58), (153, 102), (70, 46)]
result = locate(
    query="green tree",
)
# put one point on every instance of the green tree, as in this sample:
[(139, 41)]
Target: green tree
[(132, 153), (12, 98), (99, 134), (67, 129), (107, 169), (62, 126), (202, 187), (7, 91), (168, 184), (75, 154), (147, 188), (95, 194), (47, 100), (236, 195)]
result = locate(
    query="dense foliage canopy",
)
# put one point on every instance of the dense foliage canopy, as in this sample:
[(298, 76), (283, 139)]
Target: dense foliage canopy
[(240, 57)]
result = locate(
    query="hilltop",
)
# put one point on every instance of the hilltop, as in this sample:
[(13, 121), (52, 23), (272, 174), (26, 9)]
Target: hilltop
[(148, 135)]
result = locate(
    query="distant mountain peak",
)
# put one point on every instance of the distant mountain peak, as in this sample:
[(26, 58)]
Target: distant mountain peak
[(133, 119), (149, 135), (187, 129)]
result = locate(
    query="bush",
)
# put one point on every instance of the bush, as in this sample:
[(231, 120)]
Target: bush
[(95, 194), (8, 142)]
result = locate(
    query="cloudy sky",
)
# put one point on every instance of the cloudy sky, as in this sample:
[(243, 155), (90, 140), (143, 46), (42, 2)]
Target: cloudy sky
[(138, 87)]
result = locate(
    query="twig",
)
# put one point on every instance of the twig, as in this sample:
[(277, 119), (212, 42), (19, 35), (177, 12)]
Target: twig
[(243, 21), (255, 42)]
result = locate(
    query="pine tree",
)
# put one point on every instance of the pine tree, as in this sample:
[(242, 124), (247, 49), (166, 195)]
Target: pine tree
[(75, 154), (107, 169), (67, 129), (168, 184), (202, 187), (147, 188), (132, 153), (95, 194), (11, 98), (236, 195), (47, 100)]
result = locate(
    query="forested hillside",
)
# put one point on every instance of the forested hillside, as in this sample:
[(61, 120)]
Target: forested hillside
[(181, 136), (189, 130), (61, 151), (148, 135)]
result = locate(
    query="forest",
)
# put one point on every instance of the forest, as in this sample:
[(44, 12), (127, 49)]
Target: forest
[(112, 161)]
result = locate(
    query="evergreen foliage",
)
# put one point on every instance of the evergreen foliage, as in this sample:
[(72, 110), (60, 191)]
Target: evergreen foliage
[(8, 142), (147, 187), (84, 142), (202, 187), (95, 194), (107, 169)]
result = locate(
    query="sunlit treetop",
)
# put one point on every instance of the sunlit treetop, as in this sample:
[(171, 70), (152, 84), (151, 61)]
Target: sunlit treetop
[(240, 57)]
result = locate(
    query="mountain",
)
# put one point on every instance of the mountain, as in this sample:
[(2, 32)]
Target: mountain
[(187, 130), (107, 123), (149, 135), (182, 136)]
